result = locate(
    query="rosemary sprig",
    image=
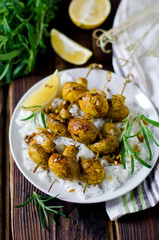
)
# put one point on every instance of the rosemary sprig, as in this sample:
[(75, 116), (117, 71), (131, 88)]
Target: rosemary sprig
[(44, 210), (35, 114), (126, 149)]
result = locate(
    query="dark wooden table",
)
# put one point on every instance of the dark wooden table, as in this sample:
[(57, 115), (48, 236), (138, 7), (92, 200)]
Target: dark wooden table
[(82, 221)]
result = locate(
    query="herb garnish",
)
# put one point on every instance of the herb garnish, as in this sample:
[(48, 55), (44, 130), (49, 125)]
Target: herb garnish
[(23, 26), (35, 114), (126, 149), (44, 210)]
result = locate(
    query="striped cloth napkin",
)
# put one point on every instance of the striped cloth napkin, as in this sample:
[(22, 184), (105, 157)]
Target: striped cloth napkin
[(146, 72)]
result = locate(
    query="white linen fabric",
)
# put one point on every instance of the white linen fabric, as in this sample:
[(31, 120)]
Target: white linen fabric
[(145, 69)]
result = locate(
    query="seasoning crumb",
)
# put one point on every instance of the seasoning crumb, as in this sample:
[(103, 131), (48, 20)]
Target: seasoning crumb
[(136, 148), (110, 178), (71, 190), (49, 86)]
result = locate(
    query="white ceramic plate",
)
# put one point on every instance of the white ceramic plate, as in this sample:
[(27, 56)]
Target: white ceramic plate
[(96, 79)]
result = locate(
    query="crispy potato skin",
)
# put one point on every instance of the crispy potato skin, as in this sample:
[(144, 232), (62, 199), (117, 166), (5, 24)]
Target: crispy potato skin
[(94, 104), (108, 128), (105, 146), (92, 172), (72, 91), (57, 126), (82, 130), (64, 166), (38, 155), (117, 110)]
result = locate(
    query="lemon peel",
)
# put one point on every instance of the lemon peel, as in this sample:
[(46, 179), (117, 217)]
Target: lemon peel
[(45, 94), (68, 49)]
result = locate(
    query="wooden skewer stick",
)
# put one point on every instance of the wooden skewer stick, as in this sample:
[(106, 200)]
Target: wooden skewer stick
[(75, 142), (93, 66), (36, 167), (108, 79), (97, 156), (52, 183), (129, 78), (84, 188)]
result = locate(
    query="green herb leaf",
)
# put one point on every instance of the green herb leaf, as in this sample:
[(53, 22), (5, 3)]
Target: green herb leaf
[(30, 107), (132, 164), (154, 123), (35, 114), (146, 140), (23, 29), (142, 162), (44, 210), (151, 136), (25, 119), (35, 117), (42, 220), (43, 118), (52, 217), (126, 148), (123, 153), (24, 204), (10, 55)]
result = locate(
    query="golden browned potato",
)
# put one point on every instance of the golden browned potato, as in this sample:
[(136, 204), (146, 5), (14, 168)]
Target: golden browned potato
[(82, 81), (117, 110), (107, 145), (64, 167), (65, 114), (48, 146), (108, 129), (57, 125), (72, 91), (92, 172), (71, 151), (94, 103), (82, 130), (38, 155)]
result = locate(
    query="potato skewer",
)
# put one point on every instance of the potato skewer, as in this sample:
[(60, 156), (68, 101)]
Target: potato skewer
[(72, 91), (117, 109), (94, 102), (66, 166)]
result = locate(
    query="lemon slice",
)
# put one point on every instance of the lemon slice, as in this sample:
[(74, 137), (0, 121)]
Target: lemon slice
[(89, 14), (45, 94), (68, 49)]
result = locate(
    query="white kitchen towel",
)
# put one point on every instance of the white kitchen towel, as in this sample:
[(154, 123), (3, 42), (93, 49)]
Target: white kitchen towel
[(145, 69)]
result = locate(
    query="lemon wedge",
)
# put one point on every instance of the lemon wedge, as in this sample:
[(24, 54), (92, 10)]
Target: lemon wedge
[(45, 94), (89, 14), (68, 49)]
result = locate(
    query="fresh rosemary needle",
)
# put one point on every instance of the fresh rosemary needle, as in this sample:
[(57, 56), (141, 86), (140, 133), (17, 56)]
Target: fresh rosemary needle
[(44, 209)]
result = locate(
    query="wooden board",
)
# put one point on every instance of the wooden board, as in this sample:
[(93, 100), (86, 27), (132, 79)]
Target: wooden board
[(82, 221)]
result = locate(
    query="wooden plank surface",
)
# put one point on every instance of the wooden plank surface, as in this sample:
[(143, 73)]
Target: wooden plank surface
[(82, 221)]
